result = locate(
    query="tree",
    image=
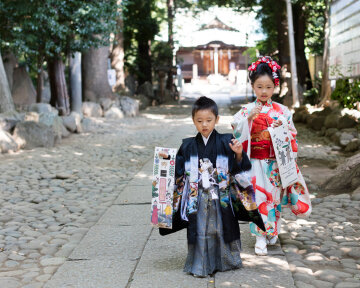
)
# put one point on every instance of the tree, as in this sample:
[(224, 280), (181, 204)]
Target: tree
[(94, 66), (325, 92), (6, 102), (170, 14), (117, 54), (140, 29), (52, 29)]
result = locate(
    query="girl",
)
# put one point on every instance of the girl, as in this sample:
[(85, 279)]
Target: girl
[(250, 127)]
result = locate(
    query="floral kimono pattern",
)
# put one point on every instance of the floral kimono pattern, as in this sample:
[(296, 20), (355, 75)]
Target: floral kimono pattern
[(269, 193)]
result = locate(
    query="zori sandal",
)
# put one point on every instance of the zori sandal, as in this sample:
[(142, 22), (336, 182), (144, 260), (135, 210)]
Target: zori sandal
[(260, 246)]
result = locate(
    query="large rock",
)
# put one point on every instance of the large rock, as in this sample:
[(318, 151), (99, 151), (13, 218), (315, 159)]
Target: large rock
[(336, 137), (331, 131), (69, 122), (78, 118), (8, 120), (345, 138), (355, 195), (23, 91), (147, 90), (346, 122), (317, 123), (32, 116), (91, 109), (42, 108), (353, 145), (143, 101), (328, 111), (331, 121), (114, 113), (89, 124), (106, 103), (129, 106), (7, 142), (344, 174), (46, 93), (130, 84), (31, 134), (53, 121)]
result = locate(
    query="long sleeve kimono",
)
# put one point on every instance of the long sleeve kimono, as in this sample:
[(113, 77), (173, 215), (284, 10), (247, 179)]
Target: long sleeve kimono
[(211, 222), (269, 193)]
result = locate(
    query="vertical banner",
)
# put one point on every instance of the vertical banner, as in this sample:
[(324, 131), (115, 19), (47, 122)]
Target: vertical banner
[(280, 137), (163, 187)]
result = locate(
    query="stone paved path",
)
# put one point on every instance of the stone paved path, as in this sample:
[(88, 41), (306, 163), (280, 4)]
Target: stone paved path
[(73, 216), (51, 197)]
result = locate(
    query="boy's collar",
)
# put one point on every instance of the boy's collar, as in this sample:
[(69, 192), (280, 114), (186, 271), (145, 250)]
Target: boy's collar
[(199, 135)]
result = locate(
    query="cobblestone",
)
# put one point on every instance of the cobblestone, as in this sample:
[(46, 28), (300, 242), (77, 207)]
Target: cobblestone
[(51, 197)]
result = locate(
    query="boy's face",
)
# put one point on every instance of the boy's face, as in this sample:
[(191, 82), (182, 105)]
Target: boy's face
[(204, 121)]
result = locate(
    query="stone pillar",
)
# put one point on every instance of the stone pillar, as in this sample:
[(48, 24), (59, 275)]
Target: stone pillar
[(75, 83), (195, 71), (216, 61)]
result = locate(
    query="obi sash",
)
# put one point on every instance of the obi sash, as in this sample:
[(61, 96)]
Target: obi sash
[(261, 145)]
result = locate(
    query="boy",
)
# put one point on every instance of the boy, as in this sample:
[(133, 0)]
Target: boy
[(203, 201)]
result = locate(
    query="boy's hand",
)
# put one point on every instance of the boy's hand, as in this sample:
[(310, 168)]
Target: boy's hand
[(163, 154), (237, 147)]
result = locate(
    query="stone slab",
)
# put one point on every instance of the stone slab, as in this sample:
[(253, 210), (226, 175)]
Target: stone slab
[(112, 242), (162, 263), (134, 195), (126, 215), (258, 271), (98, 273)]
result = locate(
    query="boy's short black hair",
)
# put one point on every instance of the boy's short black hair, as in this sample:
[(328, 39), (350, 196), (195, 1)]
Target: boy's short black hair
[(205, 103)]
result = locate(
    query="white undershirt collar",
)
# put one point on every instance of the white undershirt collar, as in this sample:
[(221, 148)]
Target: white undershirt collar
[(206, 139)]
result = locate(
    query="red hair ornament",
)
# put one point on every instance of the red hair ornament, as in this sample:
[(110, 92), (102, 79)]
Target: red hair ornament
[(271, 63)]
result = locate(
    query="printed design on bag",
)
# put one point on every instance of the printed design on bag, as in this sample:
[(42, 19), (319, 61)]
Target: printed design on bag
[(163, 187)]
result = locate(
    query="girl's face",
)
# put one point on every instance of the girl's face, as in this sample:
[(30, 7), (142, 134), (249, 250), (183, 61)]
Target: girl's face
[(263, 88)]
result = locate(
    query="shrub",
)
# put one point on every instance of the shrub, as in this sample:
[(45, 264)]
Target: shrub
[(347, 93)]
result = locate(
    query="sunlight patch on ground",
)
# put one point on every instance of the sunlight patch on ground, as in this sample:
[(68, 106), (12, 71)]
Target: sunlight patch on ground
[(78, 153), (44, 156), (143, 175), (305, 222), (137, 147), (313, 145), (153, 116)]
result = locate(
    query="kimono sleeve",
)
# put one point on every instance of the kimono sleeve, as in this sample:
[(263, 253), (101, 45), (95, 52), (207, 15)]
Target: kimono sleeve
[(180, 163), (241, 166), (241, 126)]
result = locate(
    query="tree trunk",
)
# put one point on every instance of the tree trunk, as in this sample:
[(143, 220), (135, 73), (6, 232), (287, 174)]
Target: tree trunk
[(6, 101), (94, 66), (144, 61), (75, 82), (40, 81), (10, 63), (284, 53), (302, 64), (59, 94), (170, 12), (117, 54), (325, 83)]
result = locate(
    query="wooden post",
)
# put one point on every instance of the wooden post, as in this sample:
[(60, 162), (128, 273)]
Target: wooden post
[(294, 78)]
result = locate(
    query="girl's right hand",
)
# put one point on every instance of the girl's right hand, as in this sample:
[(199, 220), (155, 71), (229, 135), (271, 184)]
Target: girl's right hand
[(255, 112)]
